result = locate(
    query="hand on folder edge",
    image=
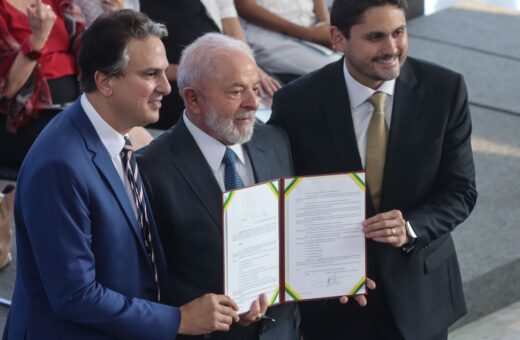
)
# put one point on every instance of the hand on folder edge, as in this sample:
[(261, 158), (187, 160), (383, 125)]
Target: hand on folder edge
[(361, 299), (258, 308)]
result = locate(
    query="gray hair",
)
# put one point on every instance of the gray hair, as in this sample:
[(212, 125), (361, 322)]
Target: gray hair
[(197, 59), (105, 43)]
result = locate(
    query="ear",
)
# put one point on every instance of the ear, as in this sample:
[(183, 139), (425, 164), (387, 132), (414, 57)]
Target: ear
[(338, 40), (192, 99), (103, 83)]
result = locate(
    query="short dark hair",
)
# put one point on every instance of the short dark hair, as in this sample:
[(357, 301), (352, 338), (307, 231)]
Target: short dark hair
[(104, 43), (347, 13)]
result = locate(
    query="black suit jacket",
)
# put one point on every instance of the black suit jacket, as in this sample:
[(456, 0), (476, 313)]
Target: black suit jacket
[(187, 205), (429, 175)]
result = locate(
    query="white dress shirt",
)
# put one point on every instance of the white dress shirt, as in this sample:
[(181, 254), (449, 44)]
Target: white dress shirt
[(213, 152), (362, 110), (113, 142)]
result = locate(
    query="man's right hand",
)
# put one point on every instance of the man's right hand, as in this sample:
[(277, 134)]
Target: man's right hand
[(207, 314)]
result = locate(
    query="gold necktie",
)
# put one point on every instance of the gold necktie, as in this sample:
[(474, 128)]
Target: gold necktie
[(376, 147)]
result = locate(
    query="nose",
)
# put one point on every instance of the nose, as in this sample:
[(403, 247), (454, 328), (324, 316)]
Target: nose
[(250, 100), (390, 46), (163, 85)]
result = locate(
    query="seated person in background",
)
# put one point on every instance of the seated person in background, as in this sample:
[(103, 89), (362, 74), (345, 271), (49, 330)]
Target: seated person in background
[(288, 36), (91, 9), (190, 19), (38, 39)]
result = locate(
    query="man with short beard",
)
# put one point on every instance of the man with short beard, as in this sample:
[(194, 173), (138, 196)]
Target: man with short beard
[(184, 171), (407, 122)]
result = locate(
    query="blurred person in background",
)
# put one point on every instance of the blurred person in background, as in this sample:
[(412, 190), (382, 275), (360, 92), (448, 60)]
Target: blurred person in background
[(190, 19), (38, 74)]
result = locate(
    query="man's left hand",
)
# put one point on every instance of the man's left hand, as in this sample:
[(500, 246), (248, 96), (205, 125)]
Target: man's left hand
[(388, 227)]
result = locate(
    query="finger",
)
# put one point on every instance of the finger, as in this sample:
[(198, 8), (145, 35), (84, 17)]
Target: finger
[(38, 6), (228, 311), (227, 301), (389, 232), (387, 215), (273, 85), (255, 308), (261, 90), (263, 303), (384, 224), (371, 284), (226, 319), (276, 84), (343, 299), (361, 300), (221, 326)]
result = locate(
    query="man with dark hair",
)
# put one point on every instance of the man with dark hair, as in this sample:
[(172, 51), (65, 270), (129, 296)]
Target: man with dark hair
[(90, 264), (406, 122)]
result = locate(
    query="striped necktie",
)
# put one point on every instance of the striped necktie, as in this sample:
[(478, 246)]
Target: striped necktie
[(377, 136), (136, 184), (232, 179)]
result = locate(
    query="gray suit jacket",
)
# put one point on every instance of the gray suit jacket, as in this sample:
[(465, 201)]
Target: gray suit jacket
[(187, 205)]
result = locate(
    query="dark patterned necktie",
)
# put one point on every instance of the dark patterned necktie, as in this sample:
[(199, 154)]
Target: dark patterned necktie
[(136, 184), (377, 136), (232, 179)]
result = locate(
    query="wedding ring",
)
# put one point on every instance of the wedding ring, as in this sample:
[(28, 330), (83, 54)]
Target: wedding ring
[(393, 232)]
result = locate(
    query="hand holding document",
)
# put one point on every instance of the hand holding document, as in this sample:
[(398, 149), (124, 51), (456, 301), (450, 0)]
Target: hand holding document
[(295, 239)]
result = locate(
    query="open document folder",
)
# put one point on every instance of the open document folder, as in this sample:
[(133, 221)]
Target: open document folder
[(295, 239)]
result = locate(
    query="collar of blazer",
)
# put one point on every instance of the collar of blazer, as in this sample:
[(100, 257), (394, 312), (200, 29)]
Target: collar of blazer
[(103, 163), (337, 112)]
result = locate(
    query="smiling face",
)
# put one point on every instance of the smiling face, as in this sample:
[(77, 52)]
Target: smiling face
[(227, 102), (136, 95), (377, 47)]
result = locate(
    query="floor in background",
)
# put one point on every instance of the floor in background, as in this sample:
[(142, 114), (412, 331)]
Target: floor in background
[(501, 325), (432, 6)]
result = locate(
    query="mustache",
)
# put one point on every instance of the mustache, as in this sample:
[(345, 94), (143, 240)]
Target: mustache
[(385, 57), (246, 115)]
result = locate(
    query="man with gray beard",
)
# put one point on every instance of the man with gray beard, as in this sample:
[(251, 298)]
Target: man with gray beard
[(188, 167)]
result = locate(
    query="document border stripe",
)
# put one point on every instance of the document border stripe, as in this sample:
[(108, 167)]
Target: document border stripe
[(357, 180), (358, 286), (274, 189), (292, 185), (275, 295), (292, 293), (228, 200)]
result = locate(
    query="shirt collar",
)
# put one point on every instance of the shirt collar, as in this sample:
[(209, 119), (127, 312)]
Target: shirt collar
[(111, 139), (212, 149), (359, 93)]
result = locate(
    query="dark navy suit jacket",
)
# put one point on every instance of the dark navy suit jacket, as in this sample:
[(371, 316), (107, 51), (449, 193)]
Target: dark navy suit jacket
[(187, 203)]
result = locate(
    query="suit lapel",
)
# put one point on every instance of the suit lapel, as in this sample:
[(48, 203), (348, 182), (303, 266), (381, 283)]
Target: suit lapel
[(189, 160), (103, 163), (338, 115), (403, 117), (259, 159)]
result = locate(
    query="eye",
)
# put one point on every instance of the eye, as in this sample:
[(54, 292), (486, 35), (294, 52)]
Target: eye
[(375, 36), (236, 92), (399, 32), (150, 74)]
